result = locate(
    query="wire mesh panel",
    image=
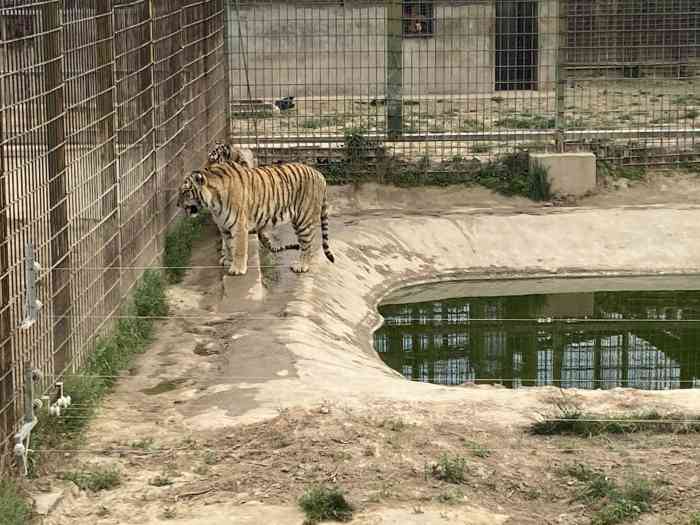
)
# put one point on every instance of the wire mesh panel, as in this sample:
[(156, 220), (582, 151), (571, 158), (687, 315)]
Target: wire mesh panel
[(429, 83), (103, 105)]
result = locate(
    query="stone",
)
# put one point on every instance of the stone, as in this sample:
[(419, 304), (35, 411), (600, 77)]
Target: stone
[(46, 502)]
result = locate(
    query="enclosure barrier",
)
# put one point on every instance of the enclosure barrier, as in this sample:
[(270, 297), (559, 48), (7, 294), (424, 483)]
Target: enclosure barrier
[(440, 81), (103, 106)]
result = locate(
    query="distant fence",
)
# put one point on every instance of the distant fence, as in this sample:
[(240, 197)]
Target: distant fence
[(441, 79), (103, 106)]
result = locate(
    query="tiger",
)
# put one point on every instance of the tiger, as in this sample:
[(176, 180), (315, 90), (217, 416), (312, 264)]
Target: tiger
[(221, 153), (227, 153), (242, 200)]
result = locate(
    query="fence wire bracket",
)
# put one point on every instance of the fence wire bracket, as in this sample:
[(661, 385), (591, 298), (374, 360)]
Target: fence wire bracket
[(23, 437), (32, 305), (62, 402)]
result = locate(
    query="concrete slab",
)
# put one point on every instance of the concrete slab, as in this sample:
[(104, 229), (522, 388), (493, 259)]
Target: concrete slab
[(568, 173)]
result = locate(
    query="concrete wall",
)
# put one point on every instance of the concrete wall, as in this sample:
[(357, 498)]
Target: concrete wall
[(334, 49)]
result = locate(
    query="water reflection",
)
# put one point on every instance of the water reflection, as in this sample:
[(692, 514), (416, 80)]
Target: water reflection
[(643, 339)]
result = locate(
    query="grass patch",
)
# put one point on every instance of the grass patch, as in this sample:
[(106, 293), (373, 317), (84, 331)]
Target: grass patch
[(322, 122), (685, 100), (448, 468), (178, 246), (614, 504), (393, 424), (694, 518), (573, 422), (626, 504), (526, 121), (513, 175), (477, 449), (94, 480), (323, 503), (691, 114), (112, 354), (14, 510)]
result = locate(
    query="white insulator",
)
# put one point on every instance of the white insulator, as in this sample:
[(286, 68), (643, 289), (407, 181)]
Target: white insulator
[(37, 404), (20, 449)]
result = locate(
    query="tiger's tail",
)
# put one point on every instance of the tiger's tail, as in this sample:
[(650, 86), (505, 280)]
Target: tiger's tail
[(324, 231)]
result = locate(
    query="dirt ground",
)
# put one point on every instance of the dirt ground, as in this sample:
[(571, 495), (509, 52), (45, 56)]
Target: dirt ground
[(259, 386)]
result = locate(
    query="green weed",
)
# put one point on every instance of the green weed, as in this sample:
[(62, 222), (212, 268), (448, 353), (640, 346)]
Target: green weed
[(323, 503), (178, 246), (14, 510), (448, 468), (95, 480)]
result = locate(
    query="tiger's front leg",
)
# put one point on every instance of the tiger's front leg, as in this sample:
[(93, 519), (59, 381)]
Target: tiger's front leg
[(225, 258), (238, 247)]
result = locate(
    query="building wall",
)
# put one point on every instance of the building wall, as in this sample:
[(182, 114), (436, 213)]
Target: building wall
[(340, 50)]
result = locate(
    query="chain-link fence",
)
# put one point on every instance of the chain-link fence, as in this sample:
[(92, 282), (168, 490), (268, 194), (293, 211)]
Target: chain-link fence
[(103, 105), (440, 81)]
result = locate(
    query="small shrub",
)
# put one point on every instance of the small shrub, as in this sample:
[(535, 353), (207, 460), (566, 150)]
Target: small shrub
[(598, 487), (394, 424), (449, 469), (451, 497), (95, 480), (210, 457), (161, 481), (323, 503), (691, 114), (694, 519), (14, 510), (539, 188), (635, 499)]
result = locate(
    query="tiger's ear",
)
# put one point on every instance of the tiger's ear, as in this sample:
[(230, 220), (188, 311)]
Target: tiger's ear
[(198, 177)]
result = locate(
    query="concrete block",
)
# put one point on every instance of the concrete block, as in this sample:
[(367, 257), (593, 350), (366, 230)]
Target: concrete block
[(44, 503), (568, 173)]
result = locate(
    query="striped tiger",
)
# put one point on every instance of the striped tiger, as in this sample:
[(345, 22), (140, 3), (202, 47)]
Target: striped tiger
[(222, 153), (243, 200), (227, 153)]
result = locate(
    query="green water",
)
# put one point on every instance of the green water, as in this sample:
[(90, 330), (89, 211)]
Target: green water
[(638, 338)]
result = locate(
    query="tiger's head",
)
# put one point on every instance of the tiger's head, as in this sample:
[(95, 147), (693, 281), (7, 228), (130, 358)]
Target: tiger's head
[(192, 193), (225, 153), (220, 153)]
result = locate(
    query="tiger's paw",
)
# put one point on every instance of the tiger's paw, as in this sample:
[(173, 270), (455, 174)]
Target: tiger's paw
[(237, 271), (300, 268)]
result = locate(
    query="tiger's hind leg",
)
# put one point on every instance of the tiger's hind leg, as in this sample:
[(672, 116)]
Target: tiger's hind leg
[(306, 236), (267, 243)]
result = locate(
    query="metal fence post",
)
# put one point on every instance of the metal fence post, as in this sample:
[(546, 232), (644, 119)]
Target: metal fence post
[(106, 137), (56, 157), (394, 67), (560, 81), (151, 20), (228, 21), (7, 385)]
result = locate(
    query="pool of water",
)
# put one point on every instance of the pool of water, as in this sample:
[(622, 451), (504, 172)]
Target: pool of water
[(585, 333)]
